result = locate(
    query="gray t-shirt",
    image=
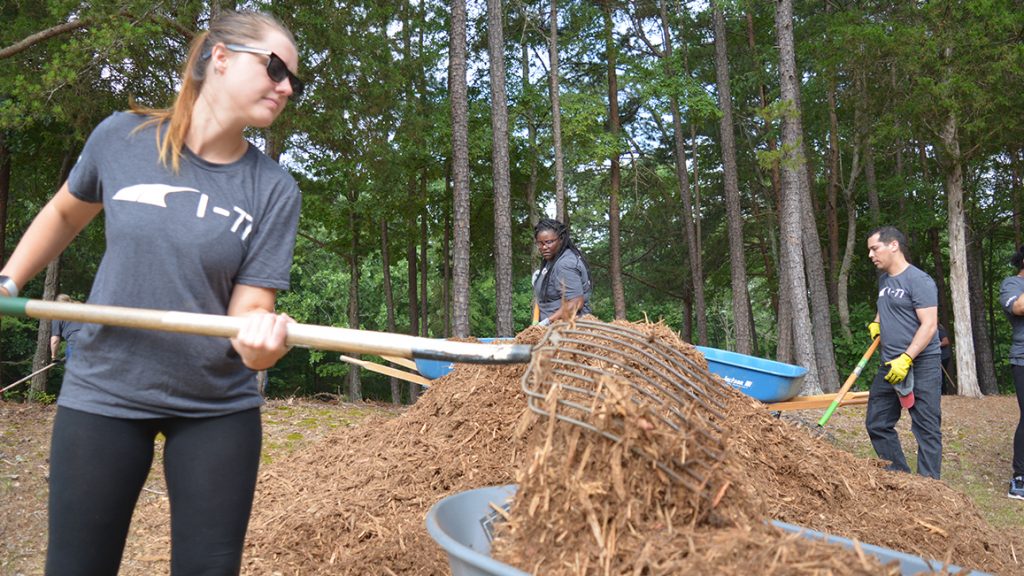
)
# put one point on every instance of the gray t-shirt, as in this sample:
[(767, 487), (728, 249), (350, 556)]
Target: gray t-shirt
[(65, 329), (899, 298), (175, 242), (1011, 288), (568, 272)]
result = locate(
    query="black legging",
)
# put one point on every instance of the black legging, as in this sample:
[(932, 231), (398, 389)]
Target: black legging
[(98, 466), (1018, 436)]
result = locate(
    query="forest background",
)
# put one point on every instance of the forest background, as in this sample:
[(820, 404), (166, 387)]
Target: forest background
[(720, 164)]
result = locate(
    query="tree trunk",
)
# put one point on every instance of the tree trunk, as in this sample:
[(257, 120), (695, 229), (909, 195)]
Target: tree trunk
[(832, 193), (984, 358), (699, 309), (814, 264), (51, 285), (776, 176), (446, 247), (500, 172), (355, 385), (794, 182), (826, 373), (5, 194), (743, 320), (417, 90), (966, 374), (940, 276), (785, 348), (849, 193), (766, 246), (687, 329), (412, 279), (41, 358), (821, 311), (389, 300), (817, 286), (458, 93), (614, 239), (1015, 192), (874, 212), (556, 114), (424, 244), (850, 248), (531, 142)]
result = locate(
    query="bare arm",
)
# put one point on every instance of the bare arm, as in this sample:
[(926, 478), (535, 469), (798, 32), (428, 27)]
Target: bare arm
[(1018, 306), (260, 342), (54, 344), (53, 229), (929, 318), (568, 309)]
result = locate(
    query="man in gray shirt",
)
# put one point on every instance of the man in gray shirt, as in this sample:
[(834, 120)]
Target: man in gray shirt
[(63, 330), (910, 374)]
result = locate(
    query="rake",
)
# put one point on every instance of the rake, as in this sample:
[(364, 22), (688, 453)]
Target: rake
[(345, 340), (574, 363)]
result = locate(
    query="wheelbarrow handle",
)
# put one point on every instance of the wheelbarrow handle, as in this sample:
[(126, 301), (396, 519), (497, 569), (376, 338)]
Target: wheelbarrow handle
[(347, 340), (849, 381)]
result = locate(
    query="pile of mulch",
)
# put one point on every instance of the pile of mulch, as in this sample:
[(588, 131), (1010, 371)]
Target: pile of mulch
[(356, 501)]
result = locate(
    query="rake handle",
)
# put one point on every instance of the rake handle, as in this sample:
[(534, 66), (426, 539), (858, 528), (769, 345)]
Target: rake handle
[(13, 384), (849, 381), (345, 340)]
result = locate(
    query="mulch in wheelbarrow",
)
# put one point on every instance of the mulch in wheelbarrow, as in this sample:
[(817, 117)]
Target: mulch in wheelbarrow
[(355, 502)]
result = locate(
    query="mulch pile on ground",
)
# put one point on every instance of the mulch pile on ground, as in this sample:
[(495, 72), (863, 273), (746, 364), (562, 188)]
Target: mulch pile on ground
[(356, 501)]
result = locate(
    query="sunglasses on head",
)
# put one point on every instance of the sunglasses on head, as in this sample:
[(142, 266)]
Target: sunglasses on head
[(276, 68)]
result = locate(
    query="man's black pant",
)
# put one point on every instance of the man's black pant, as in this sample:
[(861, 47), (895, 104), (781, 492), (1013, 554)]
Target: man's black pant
[(926, 417)]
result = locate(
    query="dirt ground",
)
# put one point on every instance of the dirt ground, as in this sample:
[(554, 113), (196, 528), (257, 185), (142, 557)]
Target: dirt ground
[(344, 488)]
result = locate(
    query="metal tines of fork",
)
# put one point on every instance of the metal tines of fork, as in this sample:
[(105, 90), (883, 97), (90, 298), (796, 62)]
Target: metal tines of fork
[(574, 362)]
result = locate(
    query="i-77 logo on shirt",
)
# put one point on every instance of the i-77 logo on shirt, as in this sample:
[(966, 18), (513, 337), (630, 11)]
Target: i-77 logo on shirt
[(156, 195), (892, 292)]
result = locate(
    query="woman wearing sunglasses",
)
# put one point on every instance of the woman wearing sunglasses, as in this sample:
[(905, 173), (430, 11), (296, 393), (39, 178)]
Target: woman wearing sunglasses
[(562, 286), (197, 219)]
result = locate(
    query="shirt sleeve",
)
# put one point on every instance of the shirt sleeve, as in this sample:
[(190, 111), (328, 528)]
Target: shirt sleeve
[(924, 292), (1009, 291), (84, 181), (269, 258)]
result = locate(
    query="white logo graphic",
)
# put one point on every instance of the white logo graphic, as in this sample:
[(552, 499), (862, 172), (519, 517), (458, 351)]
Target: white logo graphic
[(738, 383), (897, 293), (156, 195)]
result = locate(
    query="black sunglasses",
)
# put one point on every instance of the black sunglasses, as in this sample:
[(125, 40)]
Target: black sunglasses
[(276, 68)]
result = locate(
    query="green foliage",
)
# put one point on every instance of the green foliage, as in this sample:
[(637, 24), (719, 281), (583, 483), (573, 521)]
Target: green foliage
[(42, 397), (849, 350)]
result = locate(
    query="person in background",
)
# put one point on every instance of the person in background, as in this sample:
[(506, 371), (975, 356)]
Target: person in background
[(197, 220), (945, 354), (1010, 292), (910, 376), (562, 286), (63, 330)]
